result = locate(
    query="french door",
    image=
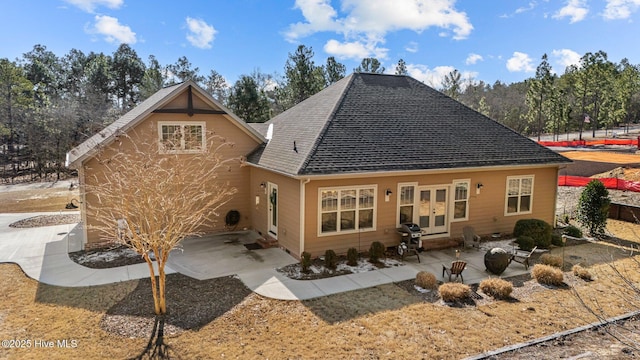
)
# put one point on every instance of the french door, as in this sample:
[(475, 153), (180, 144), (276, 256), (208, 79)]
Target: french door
[(433, 209)]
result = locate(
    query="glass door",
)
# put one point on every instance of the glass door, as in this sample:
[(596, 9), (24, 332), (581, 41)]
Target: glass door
[(433, 210)]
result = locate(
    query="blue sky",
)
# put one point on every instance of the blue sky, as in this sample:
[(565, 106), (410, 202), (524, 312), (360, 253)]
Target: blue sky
[(485, 40)]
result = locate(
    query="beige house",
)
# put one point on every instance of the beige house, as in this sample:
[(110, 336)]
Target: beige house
[(350, 164)]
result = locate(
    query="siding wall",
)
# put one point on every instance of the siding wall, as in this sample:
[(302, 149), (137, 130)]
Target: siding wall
[(486, 209), (288, 234), (238, 176)]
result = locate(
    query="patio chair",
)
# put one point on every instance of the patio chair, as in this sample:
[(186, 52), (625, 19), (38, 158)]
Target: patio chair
[(522, 257), (470, 237), (456, 269)]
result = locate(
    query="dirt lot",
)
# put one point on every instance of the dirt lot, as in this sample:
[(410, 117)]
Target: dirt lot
[(33, 197)]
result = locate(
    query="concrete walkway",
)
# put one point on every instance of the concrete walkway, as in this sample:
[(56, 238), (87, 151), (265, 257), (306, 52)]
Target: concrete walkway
[(42, 253)]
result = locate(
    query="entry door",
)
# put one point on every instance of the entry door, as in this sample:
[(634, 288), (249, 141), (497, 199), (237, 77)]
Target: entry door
[(273, 209), (433, 210)]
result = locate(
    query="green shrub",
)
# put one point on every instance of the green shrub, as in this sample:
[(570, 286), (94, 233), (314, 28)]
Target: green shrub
[(454, 292), (525, 242), (496, 288), (305, 262), (330, 259), (581, 272), (426, 280), (376, 252), (593, 207), (565, 218), (539, 230), (352, 257), (572, 231), (556, 240), (551, 260), (548, 275)]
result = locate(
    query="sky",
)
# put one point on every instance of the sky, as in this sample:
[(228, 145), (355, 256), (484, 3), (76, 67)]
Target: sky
[(490, 40)]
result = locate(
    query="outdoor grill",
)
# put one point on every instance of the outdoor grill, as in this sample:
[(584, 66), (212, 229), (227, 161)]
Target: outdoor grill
[(411, 235)]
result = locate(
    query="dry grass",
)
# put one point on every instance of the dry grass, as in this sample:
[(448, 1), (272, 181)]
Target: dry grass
[(454, 292), (581, 272), (36, 199), (360, 324), (547, 275), (551, 260), (496, 288), (426, 280)]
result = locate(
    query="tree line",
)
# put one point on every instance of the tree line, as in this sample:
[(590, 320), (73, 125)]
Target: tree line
[(51, 103)]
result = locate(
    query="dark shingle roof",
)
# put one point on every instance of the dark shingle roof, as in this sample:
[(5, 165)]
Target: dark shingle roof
[(376, 123)]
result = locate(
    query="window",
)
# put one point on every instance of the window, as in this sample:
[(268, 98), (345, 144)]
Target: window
[(461, 200), (406, 203), (182, 137), (519, 195), (344, 210)]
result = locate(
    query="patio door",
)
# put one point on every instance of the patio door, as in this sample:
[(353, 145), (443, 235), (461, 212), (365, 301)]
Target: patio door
[(433, 209), (273, 209)]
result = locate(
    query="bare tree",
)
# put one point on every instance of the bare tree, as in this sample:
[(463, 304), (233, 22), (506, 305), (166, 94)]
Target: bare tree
[(150, 198)]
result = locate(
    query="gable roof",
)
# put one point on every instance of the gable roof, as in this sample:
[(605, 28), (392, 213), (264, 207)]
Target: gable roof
[(87, 149), (375, 123)]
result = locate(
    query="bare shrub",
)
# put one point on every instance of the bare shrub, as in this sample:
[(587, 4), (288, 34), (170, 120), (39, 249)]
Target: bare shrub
[(426, 280), (305, 262), (548, 275), (496, 288), (581, 272), (551, 260), (454, 292)]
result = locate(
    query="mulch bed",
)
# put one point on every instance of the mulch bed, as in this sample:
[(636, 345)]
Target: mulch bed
[(46, 220), (191, 304), (106, 258)]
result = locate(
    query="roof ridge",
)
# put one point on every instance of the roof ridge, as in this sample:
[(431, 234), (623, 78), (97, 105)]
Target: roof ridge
[(330, 118)]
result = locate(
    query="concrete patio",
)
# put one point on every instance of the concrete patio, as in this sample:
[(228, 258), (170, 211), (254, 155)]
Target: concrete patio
[(42, 253)]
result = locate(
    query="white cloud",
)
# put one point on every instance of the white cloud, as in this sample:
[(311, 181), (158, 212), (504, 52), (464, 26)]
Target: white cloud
[(365, 23), (90, 5), (433, 77), (354, 50), (412, 47), (576, 10), (200, 34), (112, 30), (620, 9), (531, 6), (566, 57), (473, 58), (520, 62)]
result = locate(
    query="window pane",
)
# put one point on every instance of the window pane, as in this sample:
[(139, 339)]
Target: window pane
[(424, 221), (329, 200), (461, 191), (460, 210), (171, 137), (347, 220), (525, 203), (525, 189), (193, 137), (512, 205), (406, 195), (347, 199), (365, 219), (366, 198), (514, 187), (406, 214), (329, 222)]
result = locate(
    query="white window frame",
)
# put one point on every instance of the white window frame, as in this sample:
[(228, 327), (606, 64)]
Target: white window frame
[(399, 201), (519, 195), (455, 183), (357, 209), (182, 125)]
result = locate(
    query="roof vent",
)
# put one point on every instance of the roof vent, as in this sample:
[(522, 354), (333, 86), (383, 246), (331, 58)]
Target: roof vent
[(269, 132)]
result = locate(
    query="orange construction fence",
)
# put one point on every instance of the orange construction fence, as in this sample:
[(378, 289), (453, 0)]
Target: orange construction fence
[(609, 183), (575, 143)]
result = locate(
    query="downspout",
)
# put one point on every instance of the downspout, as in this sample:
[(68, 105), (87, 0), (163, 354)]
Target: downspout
[(303, 205), (555, 203)]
